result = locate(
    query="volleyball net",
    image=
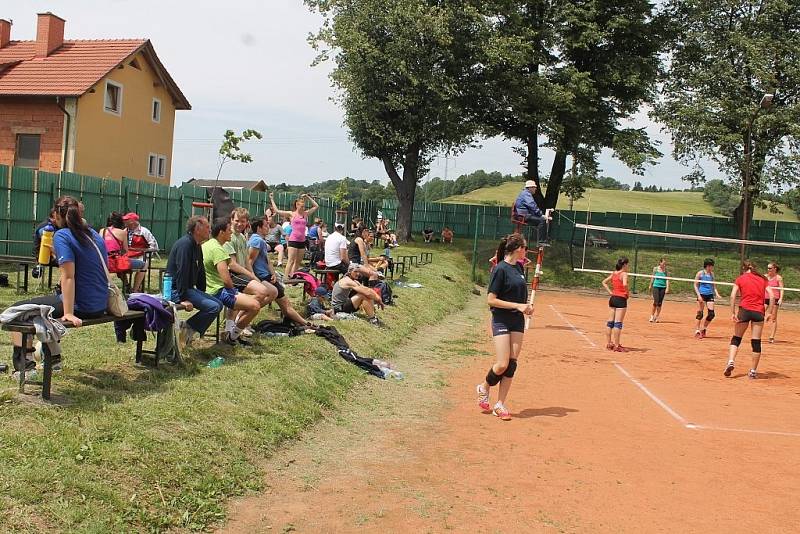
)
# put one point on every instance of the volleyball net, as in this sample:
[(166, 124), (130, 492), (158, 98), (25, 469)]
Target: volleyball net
[(597, 248)]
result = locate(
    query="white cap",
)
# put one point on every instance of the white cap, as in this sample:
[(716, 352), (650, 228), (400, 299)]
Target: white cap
[(530, 183)]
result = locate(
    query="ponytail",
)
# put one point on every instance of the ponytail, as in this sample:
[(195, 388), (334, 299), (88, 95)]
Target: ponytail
[(622, 262), (509, 244), (750, 265), (70, 211)]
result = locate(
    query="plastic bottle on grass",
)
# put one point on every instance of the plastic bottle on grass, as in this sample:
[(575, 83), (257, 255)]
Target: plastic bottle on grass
[(216, 362)]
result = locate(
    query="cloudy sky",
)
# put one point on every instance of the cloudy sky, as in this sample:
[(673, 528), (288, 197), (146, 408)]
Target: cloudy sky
[(247, 64)]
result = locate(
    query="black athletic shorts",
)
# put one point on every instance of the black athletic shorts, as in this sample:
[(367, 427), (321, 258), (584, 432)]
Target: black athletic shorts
[(507, 321), (58, 307), (707, 298), (297, 244), (658, 295), (239, 281), (766, 302), (750, 316), (341, 267), (279, 287), (617, 302), (346, 308)]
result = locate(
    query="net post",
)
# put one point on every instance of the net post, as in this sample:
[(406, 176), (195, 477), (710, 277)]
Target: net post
[(635, 261)]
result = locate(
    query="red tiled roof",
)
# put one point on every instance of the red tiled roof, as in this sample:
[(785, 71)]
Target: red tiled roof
[(74, 67)]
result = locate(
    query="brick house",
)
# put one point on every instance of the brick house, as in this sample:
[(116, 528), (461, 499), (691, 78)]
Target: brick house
[(98, 107)]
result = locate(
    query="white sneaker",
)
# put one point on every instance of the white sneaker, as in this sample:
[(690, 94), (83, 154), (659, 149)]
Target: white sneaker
[(248, 332), (652, 319)]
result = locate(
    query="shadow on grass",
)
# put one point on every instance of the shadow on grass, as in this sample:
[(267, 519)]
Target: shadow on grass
[(92, 388), (551, 411)]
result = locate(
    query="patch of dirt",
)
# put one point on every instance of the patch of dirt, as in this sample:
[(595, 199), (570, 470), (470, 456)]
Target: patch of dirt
[(587, 450)]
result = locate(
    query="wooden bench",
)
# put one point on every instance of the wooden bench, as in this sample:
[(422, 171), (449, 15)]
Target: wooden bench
[(24, 264), (28, 331), (425, 258)]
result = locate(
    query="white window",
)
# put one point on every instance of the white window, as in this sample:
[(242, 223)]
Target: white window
[(152, 165), (156, 111), (113, 98), (162, 166)]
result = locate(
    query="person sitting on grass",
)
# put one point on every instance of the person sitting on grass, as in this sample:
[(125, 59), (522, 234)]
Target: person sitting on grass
[(427, 234), (349, 296), (185, 267), (317, 306), (257, 252), (216, 260), (447, 235)]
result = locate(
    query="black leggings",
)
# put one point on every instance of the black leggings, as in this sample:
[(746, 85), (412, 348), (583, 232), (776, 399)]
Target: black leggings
[(658, 295)]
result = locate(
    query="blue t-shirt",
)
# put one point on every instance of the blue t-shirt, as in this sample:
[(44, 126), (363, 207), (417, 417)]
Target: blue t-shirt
[(260, 264), (91, 283), (313, 232)]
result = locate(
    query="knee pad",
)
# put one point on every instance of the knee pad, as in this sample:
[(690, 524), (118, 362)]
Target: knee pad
[(736, 341), (618, 325), (610, 324), (700, 315), (492, 379), (511, 369), (756, 344), (710, 316)]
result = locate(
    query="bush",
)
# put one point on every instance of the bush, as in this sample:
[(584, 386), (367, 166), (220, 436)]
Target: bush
[(722, 197)]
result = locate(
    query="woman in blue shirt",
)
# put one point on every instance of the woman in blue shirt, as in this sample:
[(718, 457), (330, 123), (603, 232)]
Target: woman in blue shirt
[(81, 255), (705, 289)]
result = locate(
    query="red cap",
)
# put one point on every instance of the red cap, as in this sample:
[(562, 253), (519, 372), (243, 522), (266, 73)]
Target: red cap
[(130, 217)]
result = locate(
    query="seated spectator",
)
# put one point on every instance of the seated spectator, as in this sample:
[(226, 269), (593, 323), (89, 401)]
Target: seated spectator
[(115, 236), (384, 231), (357, 253), (257, 252), (274, 234), (286, 231), (49, 223), (216, 260), (313, 234), (185, 266), (427, 234), (140, 240), (349, 296), (447, 235), (81, 255), (317, 307), (244, 280), (336, 250)]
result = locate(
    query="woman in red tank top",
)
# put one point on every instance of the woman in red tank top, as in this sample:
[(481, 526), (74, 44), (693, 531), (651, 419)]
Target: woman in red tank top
[(618, 304), (752, 286)]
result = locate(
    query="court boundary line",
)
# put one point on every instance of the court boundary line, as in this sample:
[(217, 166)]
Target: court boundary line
[(663, 405)]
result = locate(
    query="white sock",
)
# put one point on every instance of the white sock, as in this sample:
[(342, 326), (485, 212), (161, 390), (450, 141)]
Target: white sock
[(235, 332), (230, 324)]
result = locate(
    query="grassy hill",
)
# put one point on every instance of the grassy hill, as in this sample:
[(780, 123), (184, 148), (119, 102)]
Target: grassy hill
[(678, 203)]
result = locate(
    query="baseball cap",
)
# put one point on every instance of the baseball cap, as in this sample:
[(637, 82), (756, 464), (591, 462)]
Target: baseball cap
[(530, 183), (338, 225), (321, 291), (131, 216)]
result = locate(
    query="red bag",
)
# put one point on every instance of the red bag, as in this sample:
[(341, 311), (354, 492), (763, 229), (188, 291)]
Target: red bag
[(119, 263)]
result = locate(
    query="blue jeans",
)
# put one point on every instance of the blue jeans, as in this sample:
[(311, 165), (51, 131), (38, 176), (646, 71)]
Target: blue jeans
[(208, 308)]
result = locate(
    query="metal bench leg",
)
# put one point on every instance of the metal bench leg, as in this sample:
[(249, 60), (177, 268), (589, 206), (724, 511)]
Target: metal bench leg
[(25, 283), (22, 371), (48, 371), (139, 344)]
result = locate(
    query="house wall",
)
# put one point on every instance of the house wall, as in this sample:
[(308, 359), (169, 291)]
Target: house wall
[(114, 146), (32, 116)]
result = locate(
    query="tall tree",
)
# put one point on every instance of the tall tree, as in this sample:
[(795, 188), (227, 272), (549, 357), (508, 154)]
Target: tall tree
[(726, 56), (566, 73), (403, 71)]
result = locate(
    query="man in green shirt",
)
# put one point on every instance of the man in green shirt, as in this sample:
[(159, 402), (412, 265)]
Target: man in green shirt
[(242, 275), (216, 259)]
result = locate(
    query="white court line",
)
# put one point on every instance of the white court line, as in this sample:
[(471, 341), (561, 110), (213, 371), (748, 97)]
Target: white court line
[(675, 415), (678, 417), (589, 341)]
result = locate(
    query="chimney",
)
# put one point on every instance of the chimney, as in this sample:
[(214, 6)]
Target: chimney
[(49, 34), (5, 32)]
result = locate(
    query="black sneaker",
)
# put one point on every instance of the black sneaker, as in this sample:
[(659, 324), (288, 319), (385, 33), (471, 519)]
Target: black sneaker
[(56, 363), (243, 342), (375, 321)]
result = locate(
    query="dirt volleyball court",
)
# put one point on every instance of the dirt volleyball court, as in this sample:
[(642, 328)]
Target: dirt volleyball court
[(653, 440)]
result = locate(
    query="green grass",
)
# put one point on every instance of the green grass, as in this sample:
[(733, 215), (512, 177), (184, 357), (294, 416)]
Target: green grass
[(602, 200), (151, 450)]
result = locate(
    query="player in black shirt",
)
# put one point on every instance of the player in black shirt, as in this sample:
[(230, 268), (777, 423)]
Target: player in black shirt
[(508, 301)]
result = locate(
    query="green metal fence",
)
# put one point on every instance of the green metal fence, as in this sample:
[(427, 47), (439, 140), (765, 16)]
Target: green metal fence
[(27, 195)]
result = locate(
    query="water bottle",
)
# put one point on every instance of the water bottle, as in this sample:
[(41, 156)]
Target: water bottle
[(166, 287), (46, 245), (216, 362)]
